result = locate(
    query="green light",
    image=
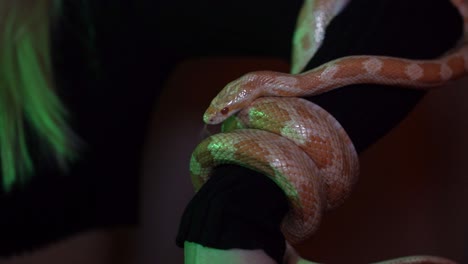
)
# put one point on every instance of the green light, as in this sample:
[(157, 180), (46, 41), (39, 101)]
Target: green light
[(230, 124), (227, 150), (195, 167), (26, 90), (255, 114), (285, 185), (291, 132), (198, 254)]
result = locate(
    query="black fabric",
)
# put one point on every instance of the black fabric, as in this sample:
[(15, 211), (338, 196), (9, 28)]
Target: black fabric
[(226, 211), (367, 112)]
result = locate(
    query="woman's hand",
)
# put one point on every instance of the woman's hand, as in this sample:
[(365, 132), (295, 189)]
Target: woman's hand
[(292, 257), (198, 254)]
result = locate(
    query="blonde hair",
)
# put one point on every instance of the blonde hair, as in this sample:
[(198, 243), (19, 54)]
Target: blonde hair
[(27, 96)]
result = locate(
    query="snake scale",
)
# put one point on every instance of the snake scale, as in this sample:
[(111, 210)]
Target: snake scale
[(299, 145)]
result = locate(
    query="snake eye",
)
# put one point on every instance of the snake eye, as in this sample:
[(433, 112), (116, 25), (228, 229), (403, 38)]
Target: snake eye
[(225, 111)]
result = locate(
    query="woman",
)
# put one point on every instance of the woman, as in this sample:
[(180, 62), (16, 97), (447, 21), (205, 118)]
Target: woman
[(68, 115), (29, 99)]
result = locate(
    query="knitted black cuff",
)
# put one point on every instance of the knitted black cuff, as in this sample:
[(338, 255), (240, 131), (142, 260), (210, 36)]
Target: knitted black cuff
[(236, 208)]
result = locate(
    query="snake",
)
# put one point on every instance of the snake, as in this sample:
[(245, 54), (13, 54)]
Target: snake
[(269, 128)]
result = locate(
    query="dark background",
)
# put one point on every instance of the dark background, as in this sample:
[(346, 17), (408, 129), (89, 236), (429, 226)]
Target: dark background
[(112, 60)]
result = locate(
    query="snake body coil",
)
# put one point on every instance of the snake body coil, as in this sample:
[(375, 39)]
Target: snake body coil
[(295, 142)]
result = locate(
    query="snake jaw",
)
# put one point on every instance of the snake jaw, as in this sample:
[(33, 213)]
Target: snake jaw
[(211, 117), (216, 113), (214, 116)]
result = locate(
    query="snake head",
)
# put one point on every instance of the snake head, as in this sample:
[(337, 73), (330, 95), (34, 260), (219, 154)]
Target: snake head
[(233, 98), (214, 116)]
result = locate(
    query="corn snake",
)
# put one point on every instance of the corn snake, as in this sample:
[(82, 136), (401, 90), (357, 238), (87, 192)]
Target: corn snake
[(330, 168)]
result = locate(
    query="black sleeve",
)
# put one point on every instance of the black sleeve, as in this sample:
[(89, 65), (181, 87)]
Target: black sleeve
[(367, 112), (236, 208)]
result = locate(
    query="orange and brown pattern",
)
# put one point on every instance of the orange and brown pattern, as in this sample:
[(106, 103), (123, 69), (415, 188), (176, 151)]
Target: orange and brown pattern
[(295, 142)]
